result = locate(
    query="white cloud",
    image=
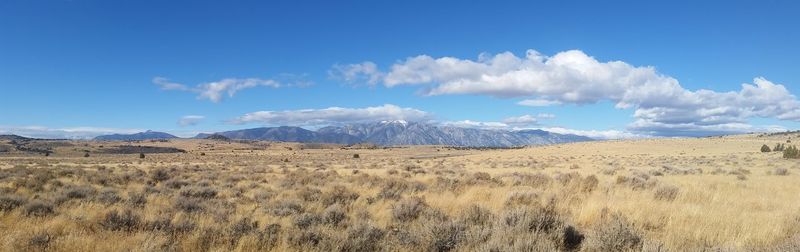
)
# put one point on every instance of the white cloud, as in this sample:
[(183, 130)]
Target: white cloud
[(693, 129), (538, 103), (366, 71), (165, 84), (190, 120), (661, 105), (333, 115), (545, 116), (597, 134), (509, 123), (523, 120), (475, 124), (216, 91), (63, 133)]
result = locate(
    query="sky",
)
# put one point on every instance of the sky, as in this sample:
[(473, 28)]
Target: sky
[(604, 69)]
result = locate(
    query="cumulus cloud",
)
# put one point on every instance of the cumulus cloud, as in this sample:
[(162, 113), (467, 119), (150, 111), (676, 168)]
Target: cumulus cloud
[(538, 103), (63, 133), (353, 73), (333, 115), (661, 105), (216, 91), (509, 123), (597, 134), (190, 120), (545, 116), (521, 120), (165, 84), (476, 124)]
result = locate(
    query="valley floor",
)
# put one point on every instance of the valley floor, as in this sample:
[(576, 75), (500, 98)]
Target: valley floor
[(717, 193)]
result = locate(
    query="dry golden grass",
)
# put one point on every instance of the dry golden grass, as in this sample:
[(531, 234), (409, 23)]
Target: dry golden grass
[(643, 195)]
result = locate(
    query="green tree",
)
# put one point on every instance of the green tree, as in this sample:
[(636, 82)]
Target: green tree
[(791, 152)]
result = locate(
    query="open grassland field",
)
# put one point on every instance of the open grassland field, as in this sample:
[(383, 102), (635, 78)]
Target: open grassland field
[(717, 194)]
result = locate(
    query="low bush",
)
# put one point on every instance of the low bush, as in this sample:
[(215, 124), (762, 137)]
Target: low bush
[(187, 204), (198, 192), (11, 202), (791, 152), (614, 234), (120, 221), (666, 193), (38, 208), (408, 209)]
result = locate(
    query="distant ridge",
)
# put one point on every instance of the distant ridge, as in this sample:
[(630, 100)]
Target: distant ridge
[(14, 137), (147, 135), (217, 137), (390, 133), (285, 134)]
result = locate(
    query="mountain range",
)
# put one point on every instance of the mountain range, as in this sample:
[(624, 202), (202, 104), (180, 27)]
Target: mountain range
[(390, 133), (385, 133), (147, 135)]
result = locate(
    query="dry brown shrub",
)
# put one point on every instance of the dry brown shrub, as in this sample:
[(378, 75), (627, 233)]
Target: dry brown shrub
[(666, 192), (408, 209)]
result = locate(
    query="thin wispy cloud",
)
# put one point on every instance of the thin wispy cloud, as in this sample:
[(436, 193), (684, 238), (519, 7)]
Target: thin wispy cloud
[(63, 133), (597, 134), (333, 115), (216, 91), (190, 120), (661, 105), (538, 103)]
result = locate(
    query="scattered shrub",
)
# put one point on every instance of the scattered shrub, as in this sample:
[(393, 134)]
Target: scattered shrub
[(338, 195), (475, 215), (443, 235), (589, 183), (614, 234), (666, 193), (636, 182), (307, 220), (285, 208), (408, 209), (363, 237), (108, 196), (243, 227), (160, 174), (187, 204), (11, 202), (791, 152), (269, 238), (765, 148), (40, 241), (780, 172), (334, 215), (304, 239), (198, 192), (78, 192), (175, 183), (137, 199), (526, 198), (38, 209), (120, 221)]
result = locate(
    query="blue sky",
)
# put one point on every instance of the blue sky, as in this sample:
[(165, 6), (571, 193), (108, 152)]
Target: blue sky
[(81, 68)]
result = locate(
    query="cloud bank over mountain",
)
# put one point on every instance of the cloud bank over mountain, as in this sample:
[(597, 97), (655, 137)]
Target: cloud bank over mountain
[(661, 106)]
